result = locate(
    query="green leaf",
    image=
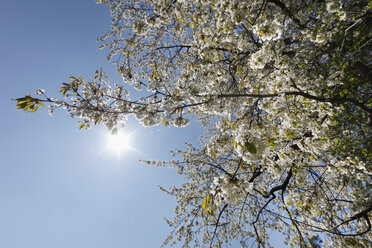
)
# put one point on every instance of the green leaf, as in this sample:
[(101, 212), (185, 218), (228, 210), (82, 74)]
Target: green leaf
[(211, 212), (213, 154), (64, 90), (41, 104), (235, 144), (205, 202), (82, 125), (250, 147), (28, 103), (21, 105), (33, 108)]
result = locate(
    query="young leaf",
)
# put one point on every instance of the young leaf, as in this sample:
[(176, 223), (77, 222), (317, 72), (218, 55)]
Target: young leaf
[(205, 203)]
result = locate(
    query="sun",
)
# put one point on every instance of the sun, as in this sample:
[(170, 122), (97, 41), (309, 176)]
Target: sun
[(118, 142)]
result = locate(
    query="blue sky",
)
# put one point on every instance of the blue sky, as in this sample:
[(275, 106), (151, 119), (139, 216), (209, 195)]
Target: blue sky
[(60, 186)]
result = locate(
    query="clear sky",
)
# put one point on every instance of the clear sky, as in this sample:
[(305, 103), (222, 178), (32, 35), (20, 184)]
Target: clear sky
[(60, 186)]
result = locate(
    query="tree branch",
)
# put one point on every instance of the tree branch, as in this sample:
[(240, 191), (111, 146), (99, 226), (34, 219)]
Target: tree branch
[(334, 100), (216, 224), (287, 12)]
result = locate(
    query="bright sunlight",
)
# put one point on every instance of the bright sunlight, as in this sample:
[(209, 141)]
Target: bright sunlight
[(118, 142)]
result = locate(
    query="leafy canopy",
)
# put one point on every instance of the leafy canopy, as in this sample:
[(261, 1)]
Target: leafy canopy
[(283, 89)]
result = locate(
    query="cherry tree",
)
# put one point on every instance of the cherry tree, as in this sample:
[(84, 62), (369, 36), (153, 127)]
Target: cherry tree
[(283, 90)]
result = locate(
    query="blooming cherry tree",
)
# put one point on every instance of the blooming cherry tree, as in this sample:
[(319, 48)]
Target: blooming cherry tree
[(283, 89)]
